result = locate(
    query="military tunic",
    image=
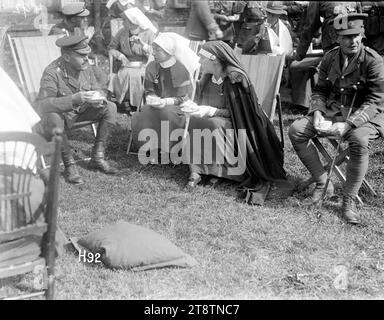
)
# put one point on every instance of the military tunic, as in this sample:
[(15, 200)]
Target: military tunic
[(333, 95), (57, 88)]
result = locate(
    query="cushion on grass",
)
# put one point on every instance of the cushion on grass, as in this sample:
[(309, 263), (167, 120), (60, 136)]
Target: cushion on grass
[(128, 246)]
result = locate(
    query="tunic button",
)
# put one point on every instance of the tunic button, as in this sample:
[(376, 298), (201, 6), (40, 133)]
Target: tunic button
[(342, 89), (342, 106), (342, 77)]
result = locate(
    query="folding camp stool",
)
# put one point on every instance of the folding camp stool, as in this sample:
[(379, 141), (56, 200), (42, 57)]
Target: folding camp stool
[(342, 157)]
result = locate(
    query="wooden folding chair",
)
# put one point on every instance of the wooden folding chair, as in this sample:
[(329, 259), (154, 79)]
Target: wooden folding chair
[(341, 158), (28, 210), (265, 72)]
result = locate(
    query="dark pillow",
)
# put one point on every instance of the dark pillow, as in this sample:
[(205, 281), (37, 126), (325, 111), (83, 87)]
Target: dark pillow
[(128, 246)]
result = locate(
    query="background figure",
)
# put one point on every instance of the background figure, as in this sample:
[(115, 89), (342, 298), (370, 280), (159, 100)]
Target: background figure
[(301, 71), (168, 83), (374, 26), (350, 93), (201, 24), (226, 13), (276, 37), (75, 20), (155, 12), (131, 47), (252, 17), (296, 16), (67, 95)]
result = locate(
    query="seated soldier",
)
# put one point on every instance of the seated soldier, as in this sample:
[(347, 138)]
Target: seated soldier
[(75, 20), (350, 92), (69, 93)]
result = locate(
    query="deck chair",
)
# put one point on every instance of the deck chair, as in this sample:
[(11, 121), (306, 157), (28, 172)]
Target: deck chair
[(28, 210), (265, 72), (31, 56)]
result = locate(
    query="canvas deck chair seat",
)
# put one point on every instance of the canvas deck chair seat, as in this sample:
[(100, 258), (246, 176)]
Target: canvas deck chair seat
[(31, 56), (341, 158), (265, 72), (28, 210)]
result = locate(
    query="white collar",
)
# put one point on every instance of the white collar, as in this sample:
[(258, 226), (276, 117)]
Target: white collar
[(218, 81), (169, 63)]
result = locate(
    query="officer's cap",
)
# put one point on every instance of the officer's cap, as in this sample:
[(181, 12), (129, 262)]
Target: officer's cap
[(75, 9), (346, 24), (77, 44)]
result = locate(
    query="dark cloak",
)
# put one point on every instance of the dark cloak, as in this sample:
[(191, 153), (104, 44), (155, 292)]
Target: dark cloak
[(265, 155)]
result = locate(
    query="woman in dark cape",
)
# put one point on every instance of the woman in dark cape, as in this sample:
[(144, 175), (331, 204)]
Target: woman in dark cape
[(264, 153)]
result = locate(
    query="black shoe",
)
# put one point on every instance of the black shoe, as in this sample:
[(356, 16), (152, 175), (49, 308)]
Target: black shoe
[(194, 180), (349, 211), (71, 175)]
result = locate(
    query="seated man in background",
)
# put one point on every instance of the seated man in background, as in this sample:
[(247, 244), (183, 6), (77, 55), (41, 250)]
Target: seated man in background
[(69, 93), (350, 93), (274, 35), (75, 20)]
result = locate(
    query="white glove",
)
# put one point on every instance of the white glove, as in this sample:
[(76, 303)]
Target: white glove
[(199, 111), (155, 102)]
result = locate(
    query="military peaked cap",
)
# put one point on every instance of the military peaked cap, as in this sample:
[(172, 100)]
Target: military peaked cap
[(75, 9), (346, 24), (77, 44)]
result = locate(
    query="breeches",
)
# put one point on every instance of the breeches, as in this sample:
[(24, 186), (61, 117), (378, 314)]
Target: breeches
[(359, 140), (105, 113)]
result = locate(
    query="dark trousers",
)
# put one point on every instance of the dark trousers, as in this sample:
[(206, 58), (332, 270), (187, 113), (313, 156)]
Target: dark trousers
[(359, 139)]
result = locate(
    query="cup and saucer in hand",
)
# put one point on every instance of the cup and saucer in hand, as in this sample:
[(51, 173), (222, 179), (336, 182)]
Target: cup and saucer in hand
[(189, 107), (324, 127), (96, 97)]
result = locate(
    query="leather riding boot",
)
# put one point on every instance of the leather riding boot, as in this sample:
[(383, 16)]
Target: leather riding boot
[(98, 162), (349, 211), (318, 192), (71, 175)]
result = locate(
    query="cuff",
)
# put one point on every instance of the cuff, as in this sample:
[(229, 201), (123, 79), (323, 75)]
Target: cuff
[(212, 111), (145, 47), (317, 103), (212, 27), (358, 119), (169, 101)]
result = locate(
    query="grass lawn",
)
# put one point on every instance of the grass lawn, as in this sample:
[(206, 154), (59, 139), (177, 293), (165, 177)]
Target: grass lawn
[(278, 251)]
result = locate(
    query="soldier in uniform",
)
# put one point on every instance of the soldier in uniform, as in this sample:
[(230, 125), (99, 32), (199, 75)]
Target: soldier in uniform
[(75, 20), (226, 13), (348, 70), (302, 70), (67, 95), (253, 15)]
